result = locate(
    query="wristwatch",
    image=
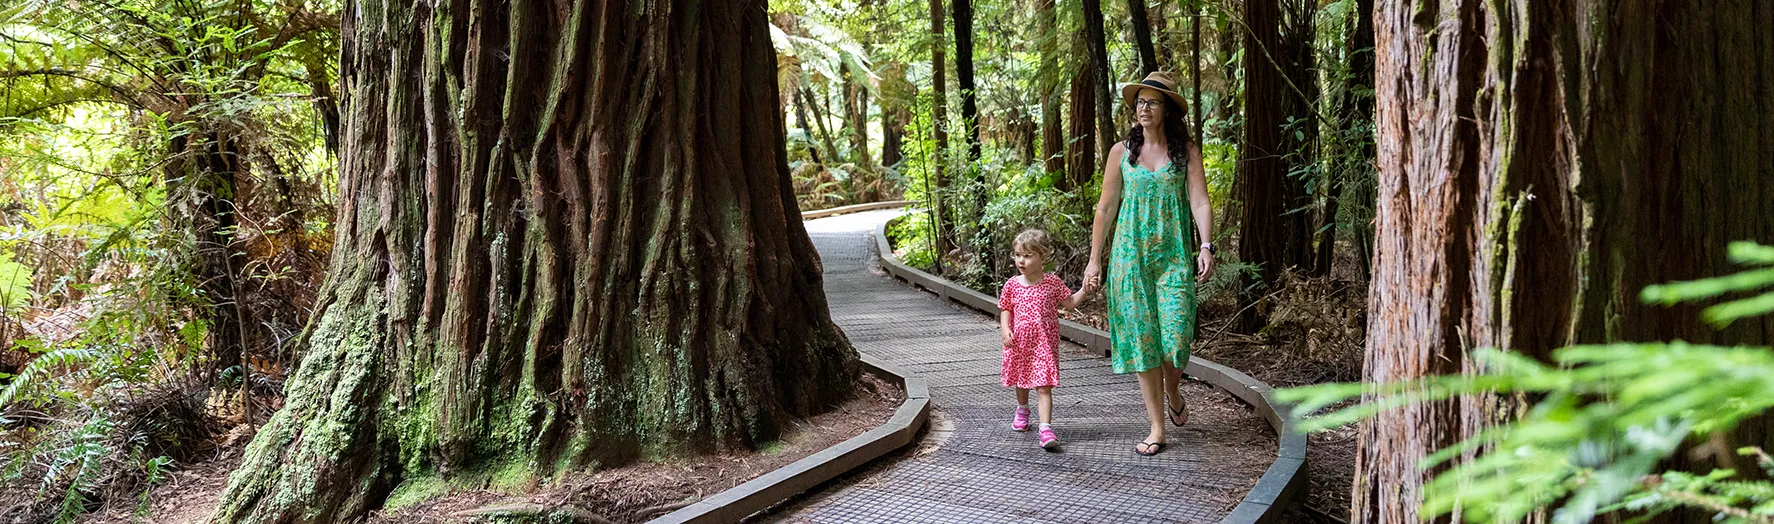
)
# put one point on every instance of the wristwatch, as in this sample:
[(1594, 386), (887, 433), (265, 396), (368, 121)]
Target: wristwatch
[(1210, 250)]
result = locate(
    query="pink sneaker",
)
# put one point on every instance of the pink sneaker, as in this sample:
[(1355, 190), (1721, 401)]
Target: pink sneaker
[(1048, 440), (1021, 422)]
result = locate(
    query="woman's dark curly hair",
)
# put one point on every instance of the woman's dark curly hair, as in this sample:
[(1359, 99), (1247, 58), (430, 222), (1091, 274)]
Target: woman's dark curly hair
[(1176, 134)]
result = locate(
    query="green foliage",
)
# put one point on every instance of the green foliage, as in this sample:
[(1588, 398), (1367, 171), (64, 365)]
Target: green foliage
[(1607, 416), (109, 108)]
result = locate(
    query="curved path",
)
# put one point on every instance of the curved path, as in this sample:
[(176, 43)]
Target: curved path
[(971, 467)]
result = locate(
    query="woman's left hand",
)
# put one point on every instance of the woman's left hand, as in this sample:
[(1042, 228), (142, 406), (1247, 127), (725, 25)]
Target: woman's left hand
[(1203, 266)]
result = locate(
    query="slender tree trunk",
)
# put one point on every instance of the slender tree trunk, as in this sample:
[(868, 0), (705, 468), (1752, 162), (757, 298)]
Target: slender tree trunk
[(945, 232), (1165, 39), (325, 103), (1095, 47), (819, 124), (220, 166), (1358, 112), (892, 136), (806, 124), (895, 97), (1540, 164), (1195, 72), (1262, 172), (1230, 66), (565, 237), (1052, 137), (1142, 36), (1324, 257), (963, 17), (856, 110), (1300, 144), (1081, 162)]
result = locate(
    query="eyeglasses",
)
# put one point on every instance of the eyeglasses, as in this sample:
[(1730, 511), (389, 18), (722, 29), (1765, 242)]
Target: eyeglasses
[(1147, 103)]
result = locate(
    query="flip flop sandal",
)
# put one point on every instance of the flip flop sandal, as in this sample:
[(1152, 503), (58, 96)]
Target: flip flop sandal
[(1152, 448), (1184, 413)]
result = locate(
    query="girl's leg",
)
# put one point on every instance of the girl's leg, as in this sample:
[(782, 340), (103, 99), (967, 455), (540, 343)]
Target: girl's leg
[(1022, 397), (1046, 401), (1151, 385)]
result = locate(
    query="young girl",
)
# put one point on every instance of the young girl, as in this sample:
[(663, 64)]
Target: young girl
[(1029, 322)]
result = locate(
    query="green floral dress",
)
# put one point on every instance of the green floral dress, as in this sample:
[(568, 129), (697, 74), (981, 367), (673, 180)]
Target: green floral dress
[(1151, 292)]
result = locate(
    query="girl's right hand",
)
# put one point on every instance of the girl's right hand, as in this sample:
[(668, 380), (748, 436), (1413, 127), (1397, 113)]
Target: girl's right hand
[(1007, 335)]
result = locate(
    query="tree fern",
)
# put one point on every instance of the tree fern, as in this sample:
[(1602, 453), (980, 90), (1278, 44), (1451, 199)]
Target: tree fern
[(41, 369)]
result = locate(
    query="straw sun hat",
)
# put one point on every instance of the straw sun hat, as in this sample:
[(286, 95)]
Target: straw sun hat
[(1159, 81)]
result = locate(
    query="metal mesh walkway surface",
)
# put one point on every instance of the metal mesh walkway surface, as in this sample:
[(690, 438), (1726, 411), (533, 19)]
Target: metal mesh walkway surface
[(978, 470)]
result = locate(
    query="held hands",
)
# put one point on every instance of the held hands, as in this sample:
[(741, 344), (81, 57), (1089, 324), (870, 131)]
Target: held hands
[(1093, 277)]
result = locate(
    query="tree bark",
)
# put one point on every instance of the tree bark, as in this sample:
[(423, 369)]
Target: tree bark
[(1195, 70), (892, 137), (1095, 47), (1357, 112), (1163, 39), (1300, 145), (1052, 137), (1142, 36), (214, 164), (896, 95), (806, 125), (1081, 162), (856, 109), (565, 237), (1262, 172), (963, 17), (945, 233), (1540, 163), (819, 124)]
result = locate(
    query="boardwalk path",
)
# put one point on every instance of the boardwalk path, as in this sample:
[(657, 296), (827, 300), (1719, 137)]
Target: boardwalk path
[(972, 468)]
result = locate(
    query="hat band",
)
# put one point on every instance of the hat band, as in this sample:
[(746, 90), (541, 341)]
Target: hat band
[(1155, 83)]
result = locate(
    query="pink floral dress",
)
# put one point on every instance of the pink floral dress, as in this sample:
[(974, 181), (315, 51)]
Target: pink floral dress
[(1032, 358)]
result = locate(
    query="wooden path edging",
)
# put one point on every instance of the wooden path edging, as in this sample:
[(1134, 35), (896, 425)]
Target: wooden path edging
[(1281, 487), (858, 208), (788, 481)]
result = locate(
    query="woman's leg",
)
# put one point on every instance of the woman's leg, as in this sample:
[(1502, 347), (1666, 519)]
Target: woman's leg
[(1151, 382), (1046, 401), (1173, 384)]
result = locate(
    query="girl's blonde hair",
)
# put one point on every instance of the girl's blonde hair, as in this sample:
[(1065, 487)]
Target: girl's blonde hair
[(1035, 241)]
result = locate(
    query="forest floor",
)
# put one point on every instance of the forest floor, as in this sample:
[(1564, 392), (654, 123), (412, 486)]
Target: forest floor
[(632, 493)]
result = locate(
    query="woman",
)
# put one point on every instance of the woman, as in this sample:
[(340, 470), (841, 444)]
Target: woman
[(1152, 268)]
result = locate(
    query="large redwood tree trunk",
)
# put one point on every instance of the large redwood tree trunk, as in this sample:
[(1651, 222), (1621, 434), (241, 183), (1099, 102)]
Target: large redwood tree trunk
[(1540, 163), (566, 237)]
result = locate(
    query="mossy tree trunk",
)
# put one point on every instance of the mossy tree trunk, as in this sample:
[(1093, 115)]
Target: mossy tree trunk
[(1540, 163), (566, 238)]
